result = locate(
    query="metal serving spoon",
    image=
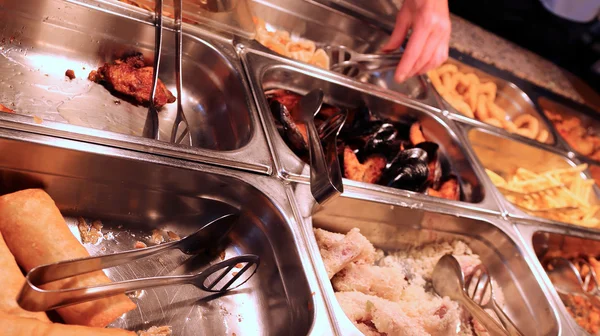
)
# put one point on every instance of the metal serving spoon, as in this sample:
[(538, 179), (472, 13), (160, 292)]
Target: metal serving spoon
[(448, 280)]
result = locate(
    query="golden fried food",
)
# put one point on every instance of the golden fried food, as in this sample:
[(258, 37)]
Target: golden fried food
[(282, 43), (133, 78), (5, 109), (578, 136), (370, 171), (554, 189), (472, 97)]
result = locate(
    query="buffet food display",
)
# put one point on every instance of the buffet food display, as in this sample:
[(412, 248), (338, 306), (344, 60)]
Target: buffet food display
[(244, 117)]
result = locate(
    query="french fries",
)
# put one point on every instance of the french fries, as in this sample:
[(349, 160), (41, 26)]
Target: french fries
[(558, 188)]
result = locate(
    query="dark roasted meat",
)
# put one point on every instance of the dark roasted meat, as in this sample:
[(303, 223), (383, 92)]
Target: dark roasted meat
[(133, 78)]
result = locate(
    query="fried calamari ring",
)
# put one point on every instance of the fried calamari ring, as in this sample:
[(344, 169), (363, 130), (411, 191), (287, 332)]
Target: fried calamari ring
[(450, 68), (542, 136), (436, 81), (528, 125), (489, 89), (459, 105), (481, 112), (496, 111), (509, 126)]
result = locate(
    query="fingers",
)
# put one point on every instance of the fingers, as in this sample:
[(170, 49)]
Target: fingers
[(429, 51), (400, 30), (413, 50), (439, 55)]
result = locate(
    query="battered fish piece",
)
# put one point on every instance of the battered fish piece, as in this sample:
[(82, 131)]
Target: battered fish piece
[(337, 254), (385, 317), (133, 78), (386, 282)]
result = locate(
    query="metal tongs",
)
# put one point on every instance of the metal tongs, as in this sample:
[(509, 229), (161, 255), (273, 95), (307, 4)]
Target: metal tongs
[(567, 278), (151, 129), (220, 277), (449, 280), (325, 173), (352, 64)]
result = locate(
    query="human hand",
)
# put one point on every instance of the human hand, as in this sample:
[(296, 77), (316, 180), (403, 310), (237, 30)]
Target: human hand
[(427, 47)]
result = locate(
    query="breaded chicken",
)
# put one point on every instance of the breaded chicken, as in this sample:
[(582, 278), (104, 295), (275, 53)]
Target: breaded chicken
[(386, 317), (133, 78), (353, 247), (385, 282)]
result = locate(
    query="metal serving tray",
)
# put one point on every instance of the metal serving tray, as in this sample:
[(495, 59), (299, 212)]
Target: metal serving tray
[(42, 39), (326, 26), (266, 71), (133, 193), (500, 153), (509, 97), (539, 236), (395, 224), (588, 117)]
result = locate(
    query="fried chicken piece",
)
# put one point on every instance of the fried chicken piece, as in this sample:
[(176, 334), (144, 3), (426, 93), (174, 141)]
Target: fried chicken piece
[(386, 317), (369, 172), (353, 247), (133, 78), (385, 282)]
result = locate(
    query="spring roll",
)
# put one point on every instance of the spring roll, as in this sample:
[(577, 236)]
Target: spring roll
[(36, 234), (11, 280), (23, 326)]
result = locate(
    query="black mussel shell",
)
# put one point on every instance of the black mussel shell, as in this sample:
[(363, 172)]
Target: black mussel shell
[(434, 164), (408, 170), (291, 129), (381, 139)]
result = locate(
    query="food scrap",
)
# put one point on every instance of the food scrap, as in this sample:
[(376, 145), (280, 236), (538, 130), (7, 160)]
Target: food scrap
[(70, 74), (139, 244), (6, 109), (472, 97), (371, 149), (157, 237), (89, 233), (282, 43), (580, 137), (390, 293), (157, 331), (132, 77), (554, 189)]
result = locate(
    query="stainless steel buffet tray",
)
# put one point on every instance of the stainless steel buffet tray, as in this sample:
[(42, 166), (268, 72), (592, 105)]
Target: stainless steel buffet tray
[(540, 237), (133, 193), (40, 40), (266, 71), (326, 26), (503, 154), (396, 224), (509, 97)]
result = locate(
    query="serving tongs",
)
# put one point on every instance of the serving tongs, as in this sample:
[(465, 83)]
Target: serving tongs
[(567, 278), (449, 280), (352, 64), (217, 278), (480, 289), (151, 129), (325, 173)]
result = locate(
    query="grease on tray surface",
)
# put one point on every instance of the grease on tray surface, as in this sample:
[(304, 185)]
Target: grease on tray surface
[(390, 293)]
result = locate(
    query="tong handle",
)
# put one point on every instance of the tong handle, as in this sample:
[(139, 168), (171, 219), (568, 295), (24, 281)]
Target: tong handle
[(506, 321), (482, 316), (321, 185), (151, 128), (33, 298)]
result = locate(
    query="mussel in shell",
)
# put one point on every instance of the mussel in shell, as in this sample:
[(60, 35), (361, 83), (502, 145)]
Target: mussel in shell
[(434, 165), (295, 132), (408, 170)]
